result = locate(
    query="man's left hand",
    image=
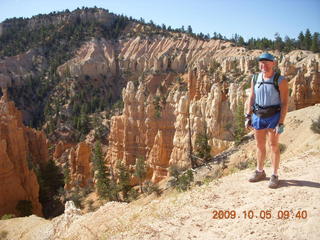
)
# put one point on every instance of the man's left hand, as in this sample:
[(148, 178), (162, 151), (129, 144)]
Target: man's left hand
[(279, 128)]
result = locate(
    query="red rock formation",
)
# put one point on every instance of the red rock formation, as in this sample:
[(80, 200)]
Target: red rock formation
[(20, 148), (60, 148), (80, 166)]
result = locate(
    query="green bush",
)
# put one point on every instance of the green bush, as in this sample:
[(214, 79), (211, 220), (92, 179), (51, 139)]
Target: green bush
[(239, 123), (140, 170), (124, 179), (150, 187), (7, 216), (180, 180), (202, 147), (133, 194), (77, 198)]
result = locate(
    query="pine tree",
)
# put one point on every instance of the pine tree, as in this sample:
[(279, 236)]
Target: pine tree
[(278, 43), (308, 40), (301, 40), (103, 182), (124, 179), (202, 148), (288, 44), (315, 42), (241, 41), (140, 170), (189, 30)]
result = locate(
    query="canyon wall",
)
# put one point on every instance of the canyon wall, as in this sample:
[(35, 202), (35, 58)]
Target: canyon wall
[(22, 149)]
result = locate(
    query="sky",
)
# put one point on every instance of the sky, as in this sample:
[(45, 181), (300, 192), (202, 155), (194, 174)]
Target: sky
[(248, 18)]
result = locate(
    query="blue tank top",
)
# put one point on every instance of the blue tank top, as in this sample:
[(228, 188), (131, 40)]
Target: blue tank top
[(266, 94)]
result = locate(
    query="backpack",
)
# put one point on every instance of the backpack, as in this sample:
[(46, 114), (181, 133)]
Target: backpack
[(275, 81)]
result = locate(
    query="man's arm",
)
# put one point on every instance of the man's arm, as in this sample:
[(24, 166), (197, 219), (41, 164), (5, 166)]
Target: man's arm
[(250, 100), (284, 98)]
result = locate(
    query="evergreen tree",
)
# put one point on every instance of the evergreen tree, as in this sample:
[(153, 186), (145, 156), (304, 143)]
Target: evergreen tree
[(83, 121), (278, 43), (288, 44), (124, 179), (103, 182), (50, 180), (301, 40), (189, 30), (315, 42), (202, 148), (241, 41), (239, 123), (308, 40), (140, 170)]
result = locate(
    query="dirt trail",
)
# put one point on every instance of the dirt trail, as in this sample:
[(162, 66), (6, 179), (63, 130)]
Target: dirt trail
[(189, 216)]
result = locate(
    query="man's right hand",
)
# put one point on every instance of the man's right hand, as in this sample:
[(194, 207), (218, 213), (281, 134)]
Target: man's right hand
[(248, 123)]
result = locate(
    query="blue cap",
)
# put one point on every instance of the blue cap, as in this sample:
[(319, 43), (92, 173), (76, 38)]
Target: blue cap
[(266, 57)]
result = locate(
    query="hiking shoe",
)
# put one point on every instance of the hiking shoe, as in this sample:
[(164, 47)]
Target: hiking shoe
[(274, 181), (257, 176)]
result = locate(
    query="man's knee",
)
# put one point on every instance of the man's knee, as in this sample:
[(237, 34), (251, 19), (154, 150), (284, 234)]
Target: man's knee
[(261, 146), (274, 146)]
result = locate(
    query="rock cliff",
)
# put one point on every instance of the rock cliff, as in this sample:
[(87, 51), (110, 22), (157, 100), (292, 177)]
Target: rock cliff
[(174, 88), (22, 149), (162, 118)]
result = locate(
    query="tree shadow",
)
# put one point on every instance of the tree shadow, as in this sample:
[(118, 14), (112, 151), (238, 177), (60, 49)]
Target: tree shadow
[(297, 183)]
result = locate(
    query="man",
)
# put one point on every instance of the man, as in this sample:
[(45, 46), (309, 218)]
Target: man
[(265, 112)]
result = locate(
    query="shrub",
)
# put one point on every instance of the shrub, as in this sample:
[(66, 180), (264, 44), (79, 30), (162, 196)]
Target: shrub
[(90, 203), (7, 216), (140, 170), (202, 148), (315, 126), (133, 194), (181, 180), (124, 179), (282, 147), (239, 123), (150, 187), (24, 207)]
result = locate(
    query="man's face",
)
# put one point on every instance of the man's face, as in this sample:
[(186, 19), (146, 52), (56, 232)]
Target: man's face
[(266, 66)]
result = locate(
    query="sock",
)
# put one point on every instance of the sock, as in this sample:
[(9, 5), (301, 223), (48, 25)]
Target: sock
[(259, 170)]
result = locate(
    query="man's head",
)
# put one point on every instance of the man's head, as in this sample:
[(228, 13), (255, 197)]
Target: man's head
[(266, 62)]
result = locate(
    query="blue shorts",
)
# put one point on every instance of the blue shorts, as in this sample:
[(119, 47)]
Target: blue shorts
[(263, 123)]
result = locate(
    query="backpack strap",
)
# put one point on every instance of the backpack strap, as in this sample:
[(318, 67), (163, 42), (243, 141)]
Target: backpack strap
[(275, 81), (255, 78)]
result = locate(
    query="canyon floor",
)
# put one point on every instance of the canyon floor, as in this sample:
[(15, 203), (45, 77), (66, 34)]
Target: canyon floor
[(189, 215)]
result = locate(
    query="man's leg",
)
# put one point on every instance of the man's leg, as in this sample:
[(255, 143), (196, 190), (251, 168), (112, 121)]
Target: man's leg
[(275, 151), (259, 174), (275, 157), (260, 136)]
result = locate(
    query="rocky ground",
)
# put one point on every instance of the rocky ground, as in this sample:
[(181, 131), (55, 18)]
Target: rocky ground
[(189, 215)]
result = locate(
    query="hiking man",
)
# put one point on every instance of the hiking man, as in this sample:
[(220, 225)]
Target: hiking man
[(265, 113)]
